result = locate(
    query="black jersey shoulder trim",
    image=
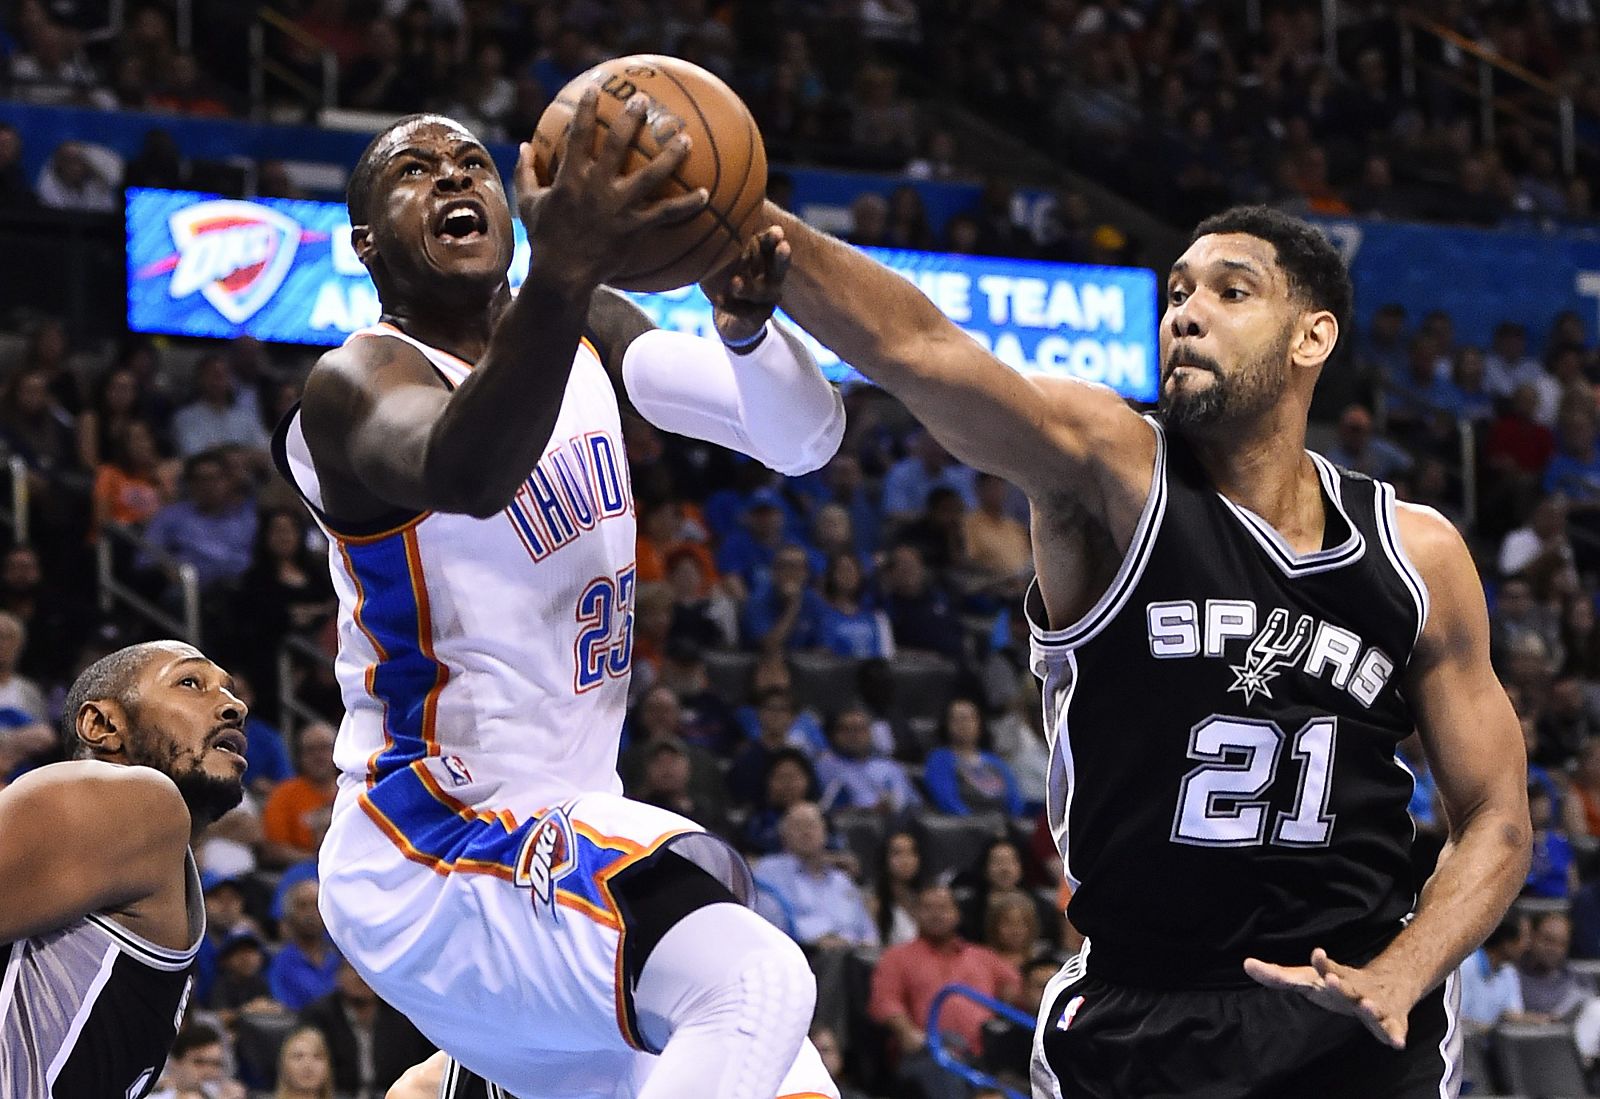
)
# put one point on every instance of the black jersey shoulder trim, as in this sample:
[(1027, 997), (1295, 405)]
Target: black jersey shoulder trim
[(11, 953), (1289, 562), (1128, 574), (146, 953), (1389, 534)]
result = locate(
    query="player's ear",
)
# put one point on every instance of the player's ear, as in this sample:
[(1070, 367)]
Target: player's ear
[(361, 242), (102, 727), (1318, 332)]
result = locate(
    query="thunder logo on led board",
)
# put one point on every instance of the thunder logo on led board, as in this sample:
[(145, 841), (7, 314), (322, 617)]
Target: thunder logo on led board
[(283, 271)]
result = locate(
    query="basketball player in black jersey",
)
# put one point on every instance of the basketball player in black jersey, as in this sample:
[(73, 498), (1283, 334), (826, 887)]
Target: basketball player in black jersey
[(100, 906), (1233, 637)]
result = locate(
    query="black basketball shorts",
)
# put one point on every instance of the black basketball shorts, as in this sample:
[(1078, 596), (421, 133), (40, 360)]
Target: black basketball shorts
[(1103, 1041)]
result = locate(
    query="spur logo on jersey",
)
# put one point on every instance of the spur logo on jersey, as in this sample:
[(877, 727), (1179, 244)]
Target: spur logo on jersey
[(549, 854), (1182, 629), (581, 482), (233, 254), (1276, 647)]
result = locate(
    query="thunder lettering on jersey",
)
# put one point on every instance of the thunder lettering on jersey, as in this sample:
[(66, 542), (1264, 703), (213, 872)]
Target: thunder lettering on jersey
[(1222, 724), (483, 663)]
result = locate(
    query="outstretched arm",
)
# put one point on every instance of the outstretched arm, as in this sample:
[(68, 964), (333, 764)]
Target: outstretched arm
[(1045, 435), (1475, 749), (756, 390)]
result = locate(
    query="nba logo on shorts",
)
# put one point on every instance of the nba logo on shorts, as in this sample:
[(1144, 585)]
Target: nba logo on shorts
[(549, 854), (1069, 1013), (235, 254), (459, 775)]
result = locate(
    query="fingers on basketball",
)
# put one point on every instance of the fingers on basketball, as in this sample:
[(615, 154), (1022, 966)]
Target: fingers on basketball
[(726, 158)]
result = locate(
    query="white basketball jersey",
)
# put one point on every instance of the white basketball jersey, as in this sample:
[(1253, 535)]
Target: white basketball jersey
[(484, 663)]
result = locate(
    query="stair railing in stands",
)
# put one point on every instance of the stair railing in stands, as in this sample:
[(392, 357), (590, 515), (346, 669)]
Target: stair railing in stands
[(315, 96), (949, 1061), (113, 591), (1490, 70), (1466, 448), (292, 710), (17, 519)]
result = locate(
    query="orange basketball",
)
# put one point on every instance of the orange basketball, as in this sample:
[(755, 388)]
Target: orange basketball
[(727, 158)]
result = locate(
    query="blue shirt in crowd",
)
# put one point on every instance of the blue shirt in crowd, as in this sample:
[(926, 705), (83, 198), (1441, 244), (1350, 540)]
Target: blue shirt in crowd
[(218, 546), (296, 982)]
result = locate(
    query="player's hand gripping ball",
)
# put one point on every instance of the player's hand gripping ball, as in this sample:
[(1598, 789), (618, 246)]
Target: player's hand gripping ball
[(727, 158), (744, 295)]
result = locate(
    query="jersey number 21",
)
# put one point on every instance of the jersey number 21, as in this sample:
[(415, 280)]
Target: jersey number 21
[(1221, 803)]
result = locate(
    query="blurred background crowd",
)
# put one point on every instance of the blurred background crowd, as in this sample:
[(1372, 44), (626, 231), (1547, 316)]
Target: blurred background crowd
[(830, 671)]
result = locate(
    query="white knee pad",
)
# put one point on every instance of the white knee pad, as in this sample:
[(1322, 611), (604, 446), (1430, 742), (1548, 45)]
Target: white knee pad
[(728, 999)]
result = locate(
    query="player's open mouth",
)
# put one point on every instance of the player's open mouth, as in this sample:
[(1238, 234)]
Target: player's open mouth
[(461, 221), (233, 742)]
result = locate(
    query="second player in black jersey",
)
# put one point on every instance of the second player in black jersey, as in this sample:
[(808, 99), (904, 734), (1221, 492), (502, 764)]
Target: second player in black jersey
[(1262, 774), (100, 906), (1232, 638)]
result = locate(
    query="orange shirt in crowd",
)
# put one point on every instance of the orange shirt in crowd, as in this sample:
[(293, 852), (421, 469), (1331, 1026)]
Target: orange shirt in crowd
[(290, 812), (132, 501), (1591, 808), (652, 560)]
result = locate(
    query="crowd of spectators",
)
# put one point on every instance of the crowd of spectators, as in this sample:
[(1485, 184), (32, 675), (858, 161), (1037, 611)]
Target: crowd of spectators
[(830, 671), (1189, 107), (1182, 105)]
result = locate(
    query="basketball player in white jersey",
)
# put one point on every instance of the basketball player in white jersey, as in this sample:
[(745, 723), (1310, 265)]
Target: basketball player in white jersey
[(100, 907), (482, 871)]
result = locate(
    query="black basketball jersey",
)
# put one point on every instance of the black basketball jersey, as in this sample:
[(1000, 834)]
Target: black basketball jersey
[(460, 1083), (89, 1011), (1222, 723)]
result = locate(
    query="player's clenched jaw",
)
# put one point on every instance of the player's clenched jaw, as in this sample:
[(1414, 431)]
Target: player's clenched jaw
[(1225, 340), (438, 222)]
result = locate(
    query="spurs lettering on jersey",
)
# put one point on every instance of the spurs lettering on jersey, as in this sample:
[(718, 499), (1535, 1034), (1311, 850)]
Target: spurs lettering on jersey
[(1181, 629)]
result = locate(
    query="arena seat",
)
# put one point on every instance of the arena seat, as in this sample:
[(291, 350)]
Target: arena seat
[(951, 843), (1539, 1060), (824, 682), (729, 673), (260, 1036), (923, 686), (863, 833)]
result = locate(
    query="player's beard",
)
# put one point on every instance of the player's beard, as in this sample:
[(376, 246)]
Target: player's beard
[(1233, 396), (207, 796)]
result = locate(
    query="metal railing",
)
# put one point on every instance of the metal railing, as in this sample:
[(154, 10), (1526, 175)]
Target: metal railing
[(17, 519), (292, 710), (949, 1061), (1466, 448), (1490, 73), (113, 591), (115, 17), (264, 66), (1467, 437)]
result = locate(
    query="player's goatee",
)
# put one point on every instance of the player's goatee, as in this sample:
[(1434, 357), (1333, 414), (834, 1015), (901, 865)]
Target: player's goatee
[(207, 796)]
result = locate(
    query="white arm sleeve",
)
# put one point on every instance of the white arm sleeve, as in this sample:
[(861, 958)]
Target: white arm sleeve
[(772, 403)]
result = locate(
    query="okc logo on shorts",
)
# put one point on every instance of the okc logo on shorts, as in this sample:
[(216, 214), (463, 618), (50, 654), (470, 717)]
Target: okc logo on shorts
[(549, 854), (235, 254)]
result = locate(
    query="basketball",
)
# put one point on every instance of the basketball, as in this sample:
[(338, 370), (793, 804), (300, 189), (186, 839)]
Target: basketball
[(727, 158)]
